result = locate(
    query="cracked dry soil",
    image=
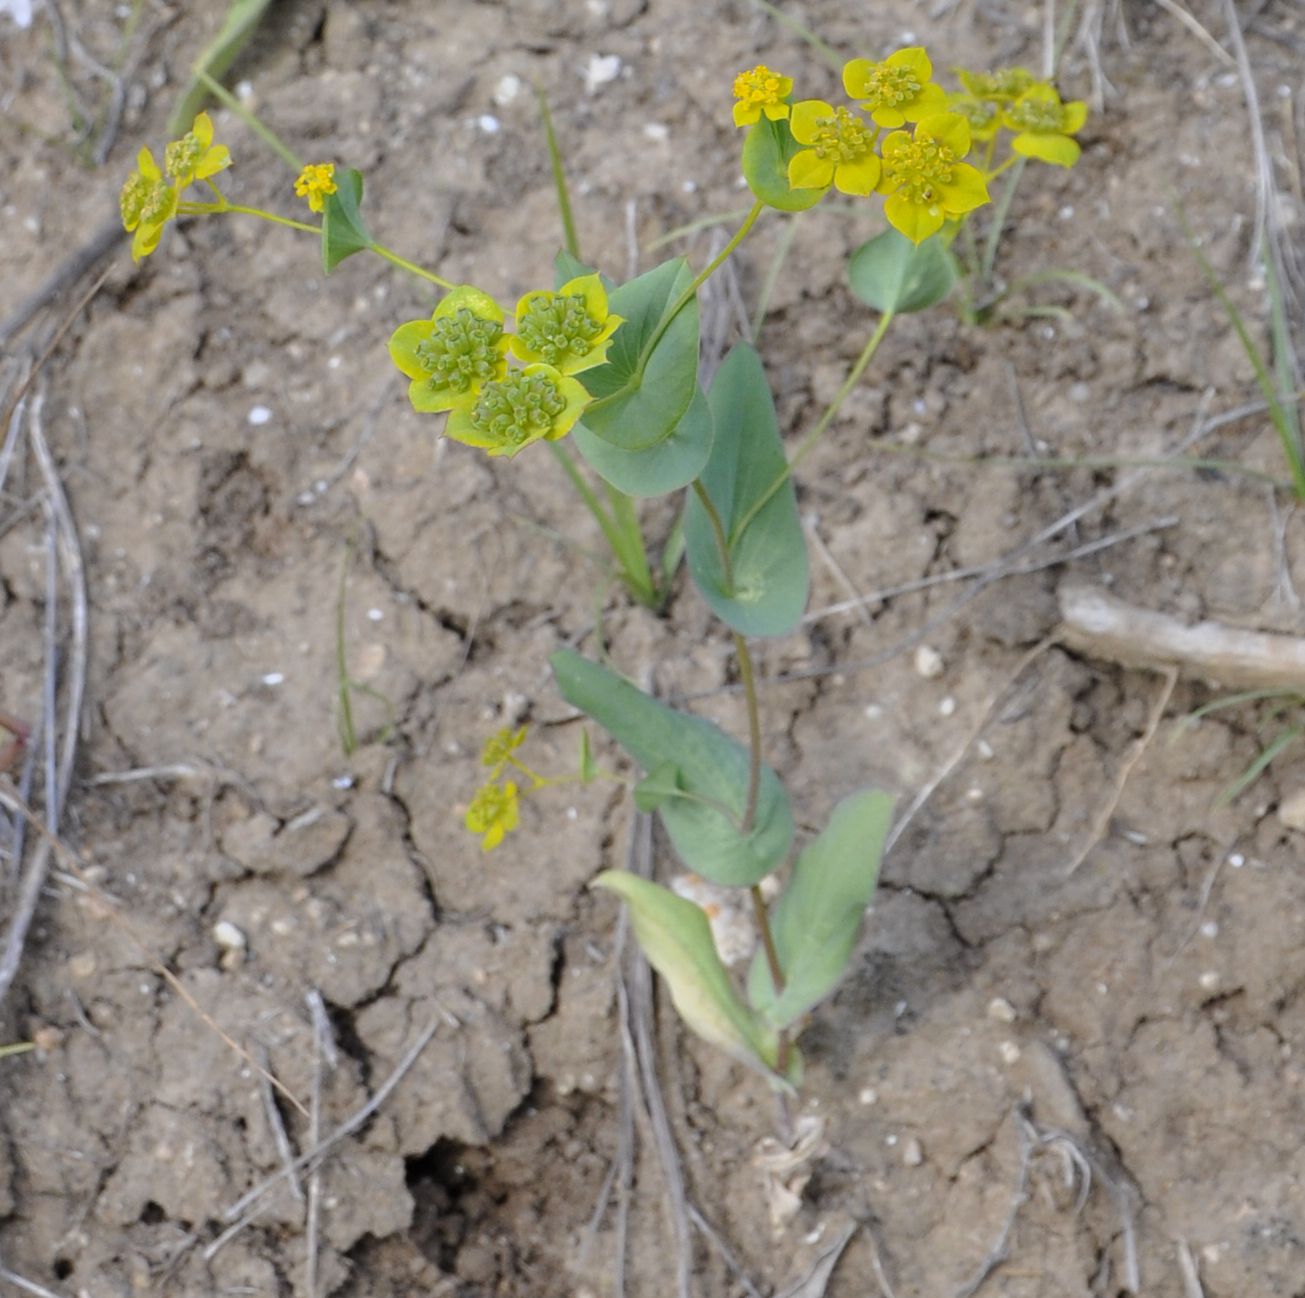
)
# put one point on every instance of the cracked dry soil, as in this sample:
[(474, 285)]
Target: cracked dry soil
[(1143, 1015)]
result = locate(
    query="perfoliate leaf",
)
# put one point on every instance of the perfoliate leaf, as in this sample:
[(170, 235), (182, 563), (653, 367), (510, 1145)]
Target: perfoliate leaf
[(713, 770), (676, 938), (343, 231), (766, 153), (636, 409), (658, 787), (671, 464), (890, 273), (765, 590), (816, 921)]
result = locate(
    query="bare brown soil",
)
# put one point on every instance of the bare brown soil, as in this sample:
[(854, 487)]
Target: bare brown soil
[(1011, 1025)]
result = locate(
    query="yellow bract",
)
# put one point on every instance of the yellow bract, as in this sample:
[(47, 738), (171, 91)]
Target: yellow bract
[(841, 149), (314, 183), (569, 330), (493, 813), (760, 91), (1045, 124), (924, 181), (195, 156), (525, 406), (896, 91), (499, 748), (147, 203)]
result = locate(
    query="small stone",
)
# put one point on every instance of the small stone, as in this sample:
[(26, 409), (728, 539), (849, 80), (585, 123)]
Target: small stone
[(228, 936), (947, 706), (1209, 980), (82, 966), (1291, 810), (928, 662), (1010, 1052), (912, 1153), (1001, 1010), (868, 1095)]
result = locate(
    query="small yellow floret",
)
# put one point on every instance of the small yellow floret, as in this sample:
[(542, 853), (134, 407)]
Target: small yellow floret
[(315, 181), (493, 813), (760, 91)]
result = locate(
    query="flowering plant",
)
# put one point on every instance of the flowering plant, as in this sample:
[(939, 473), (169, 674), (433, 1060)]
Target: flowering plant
[(606, 375)]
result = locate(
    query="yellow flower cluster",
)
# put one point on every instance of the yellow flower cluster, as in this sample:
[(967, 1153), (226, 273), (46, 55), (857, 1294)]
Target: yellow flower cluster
[(151, 196), (495, 811), (457, 362), (919, 166), (314, 183)]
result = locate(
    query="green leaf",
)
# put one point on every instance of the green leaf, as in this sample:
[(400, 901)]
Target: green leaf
[(766, 153), (676, 938), (713, 771), (892, 274), (567, 268), (343, 231), (816, 921), (658, 787), (669, 465), (638, 409), (768, 562)]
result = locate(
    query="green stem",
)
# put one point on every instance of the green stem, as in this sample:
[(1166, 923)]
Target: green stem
[(749, 679), (808, 443), (188, 208), (762, 918), (999, 214), (569, 236), (620, 530), (718, 531), (411, 267)]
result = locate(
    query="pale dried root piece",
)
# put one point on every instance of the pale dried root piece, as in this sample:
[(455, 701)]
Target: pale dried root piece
[(1101, 626)]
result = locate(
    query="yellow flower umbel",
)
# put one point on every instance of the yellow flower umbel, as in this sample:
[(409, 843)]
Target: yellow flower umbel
[(314, 182), (983, 115), (569, 330), (760, 91), (147, 204), (1044, 125), (841, 149), (493, 813), (499, 748), (455, 353), (999, 86), (195, 156), (925, 182), (538, 403), (898, 90)]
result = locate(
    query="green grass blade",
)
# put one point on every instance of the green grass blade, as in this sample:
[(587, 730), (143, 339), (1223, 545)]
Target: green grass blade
[(572, 242), (243, 17), (1281, 741), (1229, 701)]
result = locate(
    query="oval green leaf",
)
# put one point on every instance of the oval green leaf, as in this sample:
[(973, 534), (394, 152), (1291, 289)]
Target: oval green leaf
[(343, 230), (816, 921), (766, 153), (636, 409), (892, 274), (765, 590), (669, 465), (712, 770)]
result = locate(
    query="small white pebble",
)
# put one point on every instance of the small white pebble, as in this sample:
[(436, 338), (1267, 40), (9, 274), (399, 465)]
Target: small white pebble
[(689, 186), (601, 69), (985, 750), (1103, 989), (375, 614), (873, 712), (572, 814), (913, 1153), (974, 793), (928, 662), (1000, 1009), (946, 706), (489, 123), (868, 1095), (508, 88), (228, 936), (890, 1141), (1237, 860), (343, 782), (1066, 213), (1209, 980), (1010, 1052), (1209, 929), (658, 131), (273, 678), (259, 415)]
